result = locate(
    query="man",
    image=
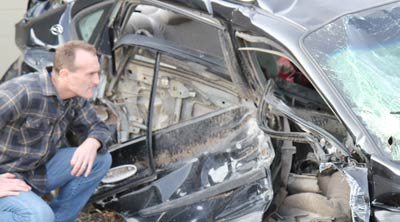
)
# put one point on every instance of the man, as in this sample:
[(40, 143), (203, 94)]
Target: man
[(36, 111)]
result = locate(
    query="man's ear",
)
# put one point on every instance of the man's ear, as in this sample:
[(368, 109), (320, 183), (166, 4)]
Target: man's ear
[(63, 73)]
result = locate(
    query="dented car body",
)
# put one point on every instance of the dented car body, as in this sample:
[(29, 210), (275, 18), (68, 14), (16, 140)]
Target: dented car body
[(238, 110)]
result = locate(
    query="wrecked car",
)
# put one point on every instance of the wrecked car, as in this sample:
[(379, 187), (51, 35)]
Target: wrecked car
[(256, 110)]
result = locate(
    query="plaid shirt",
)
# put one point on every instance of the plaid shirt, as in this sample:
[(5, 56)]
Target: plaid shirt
[(33, 124)]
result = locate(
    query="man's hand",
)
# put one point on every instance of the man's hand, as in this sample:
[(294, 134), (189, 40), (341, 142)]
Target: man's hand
[(10, 185), (84, 157)]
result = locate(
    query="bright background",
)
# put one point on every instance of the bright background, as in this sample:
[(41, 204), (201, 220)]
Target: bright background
[(10, 13)]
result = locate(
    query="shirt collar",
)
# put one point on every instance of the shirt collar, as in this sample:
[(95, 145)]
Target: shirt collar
[(48, 88)]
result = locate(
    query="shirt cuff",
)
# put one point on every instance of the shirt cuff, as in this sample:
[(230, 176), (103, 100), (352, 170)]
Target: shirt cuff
[(103, 138)]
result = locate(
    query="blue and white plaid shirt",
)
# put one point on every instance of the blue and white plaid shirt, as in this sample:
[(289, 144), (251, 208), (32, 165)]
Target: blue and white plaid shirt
[(34, 122)]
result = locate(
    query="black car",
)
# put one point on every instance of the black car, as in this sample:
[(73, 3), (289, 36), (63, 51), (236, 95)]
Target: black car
[(226, 110)]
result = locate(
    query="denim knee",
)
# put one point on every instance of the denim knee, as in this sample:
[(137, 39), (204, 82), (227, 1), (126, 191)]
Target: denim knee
[(27, 206), (41, 212), (34, 212), (102, 163)]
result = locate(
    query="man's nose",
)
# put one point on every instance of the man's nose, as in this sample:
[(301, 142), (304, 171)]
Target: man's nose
[(96, 79)]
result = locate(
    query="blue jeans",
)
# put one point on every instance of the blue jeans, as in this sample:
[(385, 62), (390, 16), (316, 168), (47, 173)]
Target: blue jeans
[(73, 195)]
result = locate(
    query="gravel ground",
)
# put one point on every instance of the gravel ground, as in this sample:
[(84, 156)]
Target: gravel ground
[(92, 214)]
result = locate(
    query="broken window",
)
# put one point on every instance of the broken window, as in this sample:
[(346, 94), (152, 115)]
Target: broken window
[(292, 85), (360, 55)]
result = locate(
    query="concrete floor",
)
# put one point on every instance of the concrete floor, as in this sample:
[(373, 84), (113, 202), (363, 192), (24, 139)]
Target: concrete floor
[(10, 13)]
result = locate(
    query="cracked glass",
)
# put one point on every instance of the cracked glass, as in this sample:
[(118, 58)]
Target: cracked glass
[(360, 54)]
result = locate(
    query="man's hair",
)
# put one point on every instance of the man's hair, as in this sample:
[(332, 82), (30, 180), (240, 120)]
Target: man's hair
[(65, 54)]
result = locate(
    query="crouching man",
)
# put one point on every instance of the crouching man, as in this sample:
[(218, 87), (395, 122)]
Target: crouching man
[(36, 111)]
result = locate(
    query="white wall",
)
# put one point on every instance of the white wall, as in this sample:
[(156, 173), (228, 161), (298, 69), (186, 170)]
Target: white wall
[(10, 13)]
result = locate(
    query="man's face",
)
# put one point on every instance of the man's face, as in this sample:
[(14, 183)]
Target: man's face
[(84, 80)]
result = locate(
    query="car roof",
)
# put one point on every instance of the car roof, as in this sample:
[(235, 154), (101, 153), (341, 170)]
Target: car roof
[(310, 14)]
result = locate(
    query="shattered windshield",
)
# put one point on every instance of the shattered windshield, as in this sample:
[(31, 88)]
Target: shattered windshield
[(360, 53)]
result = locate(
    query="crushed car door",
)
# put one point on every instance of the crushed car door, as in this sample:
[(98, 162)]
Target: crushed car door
[(211, 160), (205, 143)]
